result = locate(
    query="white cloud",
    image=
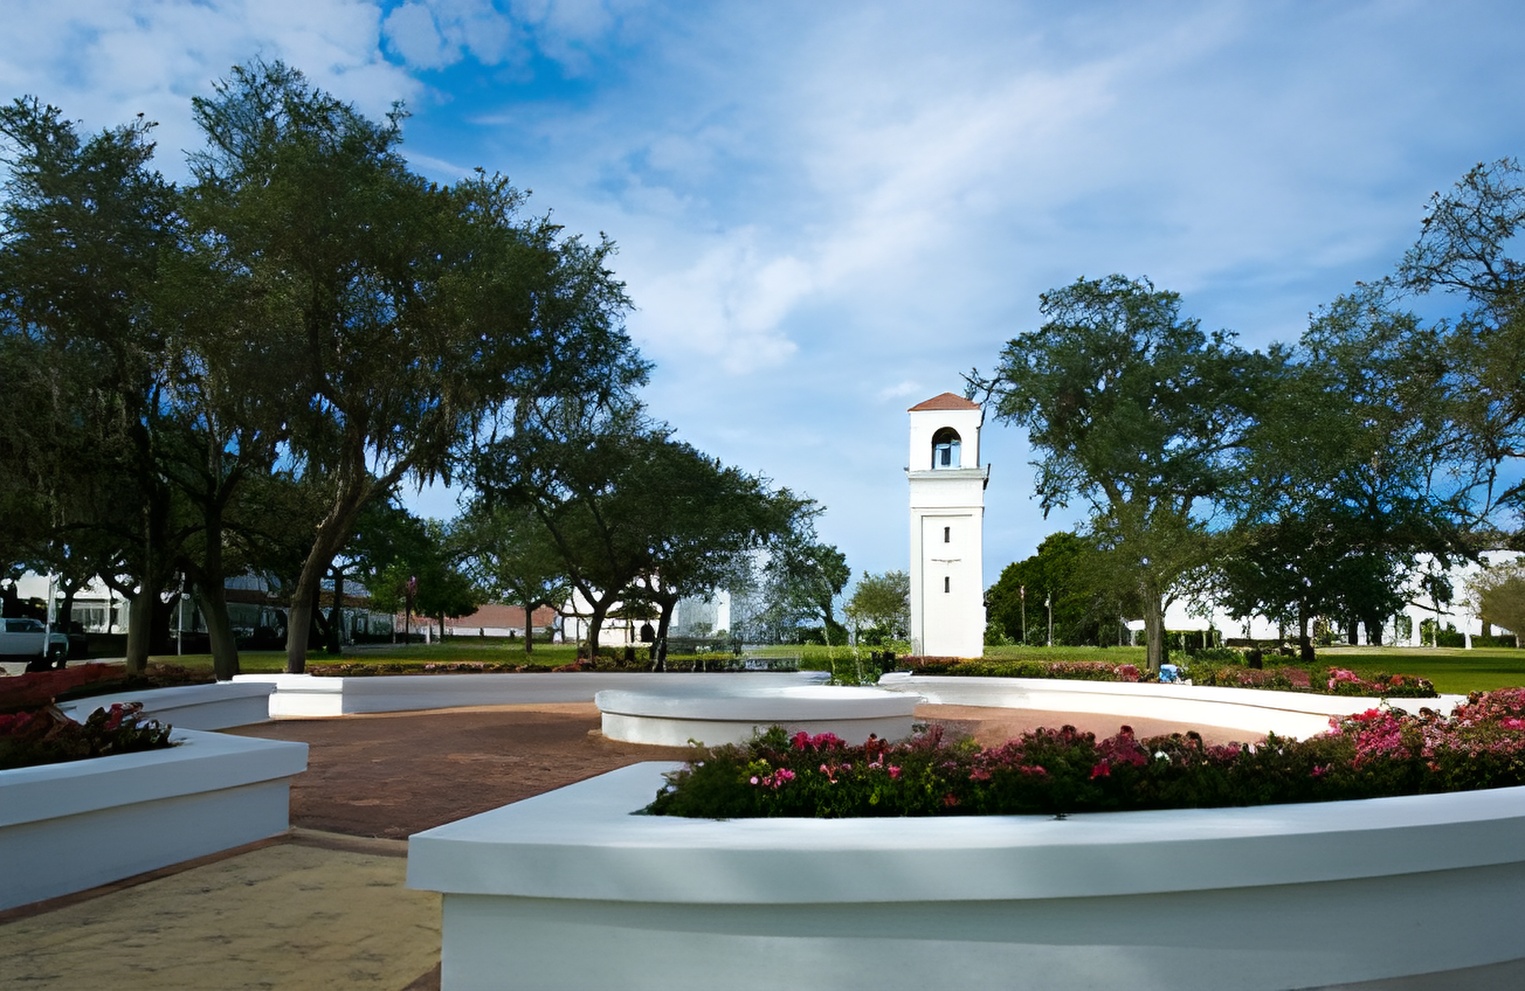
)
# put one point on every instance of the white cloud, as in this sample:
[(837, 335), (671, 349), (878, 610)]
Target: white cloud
[(103, 62), (725, 307), (904, 389), (411, 32)]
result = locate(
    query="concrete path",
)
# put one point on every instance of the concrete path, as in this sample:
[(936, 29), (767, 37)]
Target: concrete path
[(312, 910)]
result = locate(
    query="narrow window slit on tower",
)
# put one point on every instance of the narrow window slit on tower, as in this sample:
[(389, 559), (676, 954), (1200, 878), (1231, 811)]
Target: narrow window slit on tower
[(947, 584)]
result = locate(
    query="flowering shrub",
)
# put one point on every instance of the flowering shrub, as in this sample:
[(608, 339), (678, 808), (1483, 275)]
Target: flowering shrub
[(1370, 754), (362, 669), (47, 736), (1336, 681), (1073, 670)]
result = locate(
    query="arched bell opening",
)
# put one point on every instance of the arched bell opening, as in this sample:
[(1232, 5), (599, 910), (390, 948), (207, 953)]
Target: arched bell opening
[(945, 448)]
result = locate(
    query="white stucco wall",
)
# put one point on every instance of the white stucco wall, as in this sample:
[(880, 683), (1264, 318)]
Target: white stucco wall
[(570, 890)]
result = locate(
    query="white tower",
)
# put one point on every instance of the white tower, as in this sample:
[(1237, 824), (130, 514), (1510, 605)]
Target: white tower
[(947, 524)]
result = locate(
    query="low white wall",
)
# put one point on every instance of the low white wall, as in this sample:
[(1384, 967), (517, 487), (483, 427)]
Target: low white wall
[(729, 711), (309, 695), (68, 827), (203, 707), (1361, 894), (1290, 714)]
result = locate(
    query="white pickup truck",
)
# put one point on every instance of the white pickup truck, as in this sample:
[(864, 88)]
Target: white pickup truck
[(25, 638)]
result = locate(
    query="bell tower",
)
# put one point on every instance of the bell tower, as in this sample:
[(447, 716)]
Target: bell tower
[(947, 527)]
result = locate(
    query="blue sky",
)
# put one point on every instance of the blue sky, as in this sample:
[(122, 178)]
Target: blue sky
[(828, 212)]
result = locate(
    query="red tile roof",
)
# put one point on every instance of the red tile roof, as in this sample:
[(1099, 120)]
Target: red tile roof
[(945, 401)]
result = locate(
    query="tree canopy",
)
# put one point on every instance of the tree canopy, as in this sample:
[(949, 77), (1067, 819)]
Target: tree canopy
[(1139, 412), (411, 316), (307, 311), (880, 607), (635, 515)]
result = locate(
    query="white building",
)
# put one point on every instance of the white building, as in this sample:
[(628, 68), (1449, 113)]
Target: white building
[(1402, 630), (947, 495), (697, 616)]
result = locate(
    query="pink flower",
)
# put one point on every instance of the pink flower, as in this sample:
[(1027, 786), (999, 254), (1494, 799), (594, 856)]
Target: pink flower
[(1101, 770), (894, 772)]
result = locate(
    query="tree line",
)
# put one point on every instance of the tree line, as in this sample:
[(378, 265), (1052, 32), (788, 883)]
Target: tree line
[(1299, 481), (239, 374)]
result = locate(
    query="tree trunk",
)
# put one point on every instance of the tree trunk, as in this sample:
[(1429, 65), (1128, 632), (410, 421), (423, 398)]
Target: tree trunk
[(595, 625), (1305, 652), (669, 605), (330, 537), (212, 583), (529, 628), (299, 617), (140, 627), (1154, 631), (214, 608), (144, 613)]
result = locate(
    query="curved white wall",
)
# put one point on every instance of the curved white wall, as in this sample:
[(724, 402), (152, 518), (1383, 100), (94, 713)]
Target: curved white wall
[(727, 712), (203, 707), (1255, 711), (1296, 896), (308, 695)]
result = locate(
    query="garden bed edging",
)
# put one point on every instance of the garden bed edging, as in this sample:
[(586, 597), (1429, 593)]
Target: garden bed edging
[(191, 707), (1392, 893), (1254, 711), (311, 695), (72, 826)]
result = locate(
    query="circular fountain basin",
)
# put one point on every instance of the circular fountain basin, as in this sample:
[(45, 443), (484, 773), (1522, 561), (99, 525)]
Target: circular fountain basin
[(733, 713)]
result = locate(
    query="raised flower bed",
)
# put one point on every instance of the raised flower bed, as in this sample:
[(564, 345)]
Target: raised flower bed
[(1406, 892), (71, 826), (1253, 712), (574, 890)]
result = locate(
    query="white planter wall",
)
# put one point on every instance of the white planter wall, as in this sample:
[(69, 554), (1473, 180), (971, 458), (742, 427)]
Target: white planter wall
[(1255, 711), (727, 712), (201, 707), (569, 890), (307, 695), (69, 827)]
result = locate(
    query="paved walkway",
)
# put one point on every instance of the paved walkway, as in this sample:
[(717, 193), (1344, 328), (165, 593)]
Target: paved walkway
[(313, 910)]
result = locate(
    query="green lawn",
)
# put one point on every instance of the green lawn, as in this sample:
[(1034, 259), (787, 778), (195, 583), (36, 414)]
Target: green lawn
[(1453, 670)]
